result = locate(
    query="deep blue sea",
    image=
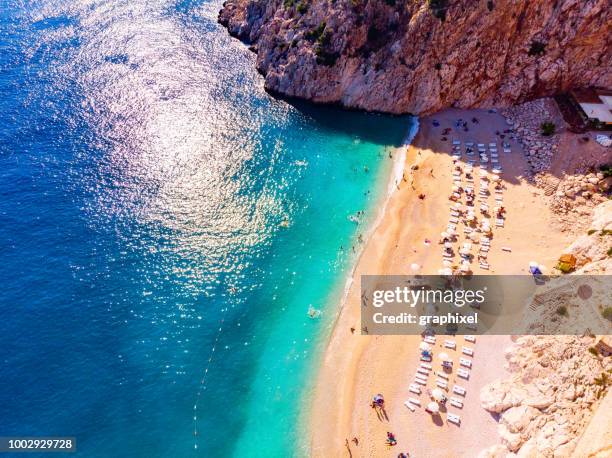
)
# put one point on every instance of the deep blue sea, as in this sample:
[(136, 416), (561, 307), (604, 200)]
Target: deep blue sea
[(165, 226)]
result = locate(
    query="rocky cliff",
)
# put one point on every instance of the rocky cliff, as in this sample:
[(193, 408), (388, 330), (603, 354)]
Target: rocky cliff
[(420, 56)]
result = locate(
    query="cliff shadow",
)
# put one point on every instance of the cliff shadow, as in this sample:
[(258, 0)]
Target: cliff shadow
[(377, 128)]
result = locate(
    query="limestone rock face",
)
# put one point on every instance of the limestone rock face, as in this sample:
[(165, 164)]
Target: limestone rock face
[(399, 57), (549, 398)]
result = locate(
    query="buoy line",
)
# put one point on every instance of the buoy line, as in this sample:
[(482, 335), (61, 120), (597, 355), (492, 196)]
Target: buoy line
[(202, 386)]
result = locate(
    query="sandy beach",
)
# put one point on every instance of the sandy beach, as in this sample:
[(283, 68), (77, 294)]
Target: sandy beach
[(355, 367)]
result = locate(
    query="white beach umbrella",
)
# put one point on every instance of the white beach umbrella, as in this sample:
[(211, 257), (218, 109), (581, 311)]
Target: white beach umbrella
[(437, 394), (464, 268), (447, 263), (457, 206), (533, 264), (444, 356), (444, 235), (425, 346), (448, 245), (433, 407), (415, 267), (445, 271), (542, 268), (483, 173), (471, 217)]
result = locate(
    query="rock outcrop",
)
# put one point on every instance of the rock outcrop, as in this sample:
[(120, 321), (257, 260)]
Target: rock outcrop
[(424, 55), (556, 384)]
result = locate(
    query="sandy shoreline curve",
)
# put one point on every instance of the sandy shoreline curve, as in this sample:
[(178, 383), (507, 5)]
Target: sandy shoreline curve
[(354, 367)]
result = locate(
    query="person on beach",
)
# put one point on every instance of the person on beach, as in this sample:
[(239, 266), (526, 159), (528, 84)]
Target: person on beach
[(391, 439)]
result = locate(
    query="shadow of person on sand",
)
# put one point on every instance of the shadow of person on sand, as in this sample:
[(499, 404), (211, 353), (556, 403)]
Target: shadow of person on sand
[(437, 420)]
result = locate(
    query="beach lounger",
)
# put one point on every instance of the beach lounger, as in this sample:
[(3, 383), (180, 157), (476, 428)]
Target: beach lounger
[(492, 145), (453, 220), (420, 382), (469, 144), (442, 374), (481, 145), (471, 327), (414, 389), (426, 366), (507, 249), (459, 390), (456, 419), (429, 339), (420, 370), (414, 401), (484, 266), (507, 150), (456, 402), (463, 373), (499, 222), (465, 362), (456, 142), (420, 376), (409, 405), (450, 344), (470, 338), (442, 384), (467, 351)]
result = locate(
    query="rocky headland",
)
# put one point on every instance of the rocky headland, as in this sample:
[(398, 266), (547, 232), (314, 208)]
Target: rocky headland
[(422, 56)]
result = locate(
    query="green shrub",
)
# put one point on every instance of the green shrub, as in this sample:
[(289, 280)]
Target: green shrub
[(315, 34), (562, 310), (564, 267), (288, 3), (302, 8), (591, 231), (490, 5), (325, 57), (609, 253), (373, 33), (593, 351), (537, 48), (438, 8), (390, 2), (548, 128), (607, 313), (606, 169)]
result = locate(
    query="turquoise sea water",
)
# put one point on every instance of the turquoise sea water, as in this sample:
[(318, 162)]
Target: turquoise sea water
[(165, 226)]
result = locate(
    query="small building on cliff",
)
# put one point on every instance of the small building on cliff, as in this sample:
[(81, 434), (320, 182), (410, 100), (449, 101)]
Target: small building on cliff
[(594, 105)]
